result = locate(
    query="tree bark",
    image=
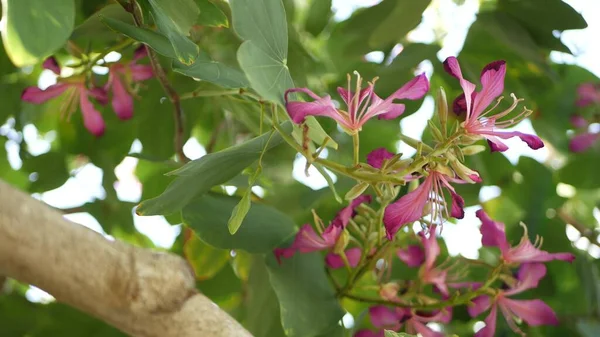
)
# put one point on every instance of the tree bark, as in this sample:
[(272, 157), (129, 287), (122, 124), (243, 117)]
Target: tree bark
[(141, 292)]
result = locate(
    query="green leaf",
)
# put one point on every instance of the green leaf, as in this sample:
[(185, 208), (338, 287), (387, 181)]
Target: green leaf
[(263, 55), (308, 303), (50, 169), (389, 333), (94, 27), (206, 69), (263, 229), (581, 170), (174, 18), (319, 14), (211, 15), (239, 212), (405, 17), (35, 29), (198, 176), (206, 260)]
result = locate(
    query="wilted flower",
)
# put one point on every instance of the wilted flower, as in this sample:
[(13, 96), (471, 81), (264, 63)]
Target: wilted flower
[(363, 104), (475, 103), (76, 89), (533, 312), (494, 235), (120, 78)]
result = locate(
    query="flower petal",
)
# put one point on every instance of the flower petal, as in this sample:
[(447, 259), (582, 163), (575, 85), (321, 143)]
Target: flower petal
[(384, 317), (431, 247), (578, 121), (528, 276), (122, 102), (453, 68), (480, 304), (387, 109), (51, 64), (583, 141), (407, 209), (335, 261), (414, 89), (533, 141), (458, 206), (141, 72), (493, 233), (424, 330), (321, 106), (140, 52), (496, 145), (99, 94), (588, 93), (525, 251), (283, 252), (349, 97), (36, 95), (376, 157), (92, 119), (492, 81), (393, 111), (490, 325), (369, 333), (533, 312), (413, 255), (307, 240), (346, 213)]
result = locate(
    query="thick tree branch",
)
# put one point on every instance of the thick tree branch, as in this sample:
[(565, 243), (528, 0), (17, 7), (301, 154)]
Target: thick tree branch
[(142, 292)]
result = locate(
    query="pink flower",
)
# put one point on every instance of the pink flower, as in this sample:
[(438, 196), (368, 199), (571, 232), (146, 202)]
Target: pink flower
[(410, 207), (76, 89), (414, 322), (363, 104), (307, 240), (494, 235), (376, 157), (413, 255), (585, 140), (588, 94), (429, 273), (475, 103), (533, 312), (120, 78)]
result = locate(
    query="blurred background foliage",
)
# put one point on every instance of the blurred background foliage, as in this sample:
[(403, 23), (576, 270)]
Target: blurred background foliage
[(557, 195)]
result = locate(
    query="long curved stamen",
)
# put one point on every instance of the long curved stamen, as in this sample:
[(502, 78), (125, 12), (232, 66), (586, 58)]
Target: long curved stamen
[(365, 107), (494, 107), (355, 100), (511, 108), (514, 120)]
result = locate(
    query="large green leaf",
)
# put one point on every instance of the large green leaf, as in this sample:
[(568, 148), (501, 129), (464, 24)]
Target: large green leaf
[(319, 14), (198, 176), (204, 68), (206, 260), (35, 29), (405, 17), (308, 303), (263, 55), (211, 15), (174, 18), (94, 28), (50, 171), (263, 229), (582, 170)]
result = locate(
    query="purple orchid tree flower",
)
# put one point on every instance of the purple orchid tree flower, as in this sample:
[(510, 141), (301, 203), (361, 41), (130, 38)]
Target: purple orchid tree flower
[(494, 235), (584, 140), (533, 312), (75, 89), (307, 240), (414, 322), (477, 121), (413, 255), (362, 104), (588, 94), (120, 78)]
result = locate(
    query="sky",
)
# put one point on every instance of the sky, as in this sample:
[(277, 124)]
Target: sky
[(462, 238)]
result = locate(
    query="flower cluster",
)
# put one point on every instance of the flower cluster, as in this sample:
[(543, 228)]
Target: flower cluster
[(121, 77), (588, 95), (369, 239)]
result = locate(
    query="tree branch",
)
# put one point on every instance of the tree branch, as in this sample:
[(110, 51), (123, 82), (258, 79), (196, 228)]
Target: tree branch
[(143, 293)]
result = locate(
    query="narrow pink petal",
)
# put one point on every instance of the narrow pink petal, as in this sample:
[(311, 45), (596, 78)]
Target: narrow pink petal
[(321, 106), (413, 255), (528, 276), (141, 72), (533, 312), (493, 233), (431, 247), (394, 111), (349, 97), (480, 305), (122, 102), (453, 68), (307, 240), (492, 80), (534, 142), (369, 333), (376, 157), (424, 330), (496, 145), (407, 209), (578, 121), (458, 206), (384, 317), (92, 119), (588, 94), (36, 95), (414, 89), (345, 214), (525, 251), (51, 64), (283, 253), (583, 141), (490, 324), (335, 261)]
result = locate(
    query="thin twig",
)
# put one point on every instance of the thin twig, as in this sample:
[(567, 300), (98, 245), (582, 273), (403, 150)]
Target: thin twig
[(583, 230), (210, 147), (169, 90)]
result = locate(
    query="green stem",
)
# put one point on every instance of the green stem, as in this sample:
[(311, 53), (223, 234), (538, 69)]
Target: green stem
[(209, 93), (356, 146)]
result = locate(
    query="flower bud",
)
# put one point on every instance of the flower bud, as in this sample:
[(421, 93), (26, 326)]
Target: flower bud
[(444, 170), (465, 173), (342, 242), (442, 109), (401, 164), (389, 291), (356, 191), (435, 131), (472, 149)]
